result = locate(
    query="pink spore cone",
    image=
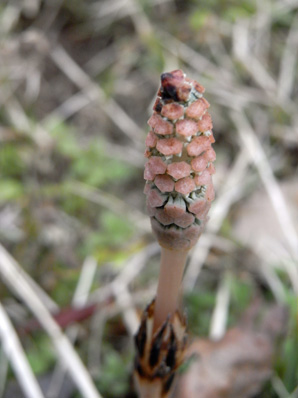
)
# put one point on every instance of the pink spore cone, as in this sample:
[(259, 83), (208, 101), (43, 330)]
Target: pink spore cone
[(179, 170), (151, 139), (198, 145), (203, 178), (179, 186), (185, 220), (155, 198), (159, 125), (185, 185), (163, 217), (172, 111), (210, 194), (198, 206), (186, 127), (157, 165), (169, 146), (175, 209), (210, 155), (164, 183), (205, 123), (199, 164), (197, 109)]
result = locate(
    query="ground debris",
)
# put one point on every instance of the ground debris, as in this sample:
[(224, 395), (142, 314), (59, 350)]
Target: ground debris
[(239, 364)]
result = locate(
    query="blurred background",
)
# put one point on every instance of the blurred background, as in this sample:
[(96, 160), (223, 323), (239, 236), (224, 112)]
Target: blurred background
[(77, 257)]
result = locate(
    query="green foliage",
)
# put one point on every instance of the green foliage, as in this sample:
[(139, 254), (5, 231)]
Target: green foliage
[(241, 296), (229, 10), (114, 375), (11, 162), (88, 161), (201, 304), (107, 82), (40, 354), (153, 58), (66, 283), (113, 231), (116, 229), (10, 189), (184, 367), (243, 9), (12, 167), (65, 138), (198, 18), (95, 168), (288, 360), (199, 309)]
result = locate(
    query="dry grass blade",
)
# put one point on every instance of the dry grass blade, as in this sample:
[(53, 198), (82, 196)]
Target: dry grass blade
[(288, 63), (85, 281), (4, 365), (21, 122), (9, 270), (231, 191), (111, 202), (280, 388), (73, 71), (221, 310), (125, 302), (198, 61), (274, 282), (17, 357), (262, 164), (80, 298), (42, 295), (9, 18), (131, 270)]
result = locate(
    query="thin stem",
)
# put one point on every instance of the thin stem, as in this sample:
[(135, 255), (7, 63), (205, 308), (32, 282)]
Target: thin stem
[(171, 271)]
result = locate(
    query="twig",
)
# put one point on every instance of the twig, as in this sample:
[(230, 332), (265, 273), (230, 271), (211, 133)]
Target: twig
[(108, 12), (80, 298), (76, 74), (262, 23), (9, 18), (85, 281), (131, 269), (221, 310), (125, 302), (17, 283), (141, 22), (227, 91), (47, 301), (113, 203), (95, 340), (20, 121), (259, 158), (259, 73), (273, 281), (198, 61), (231, 191), (279, 387), (288, 63), (17, 357), (3, 370), (240, 35)]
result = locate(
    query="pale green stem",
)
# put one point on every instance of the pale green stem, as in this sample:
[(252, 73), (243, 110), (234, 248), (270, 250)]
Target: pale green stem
[(172, 266)]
